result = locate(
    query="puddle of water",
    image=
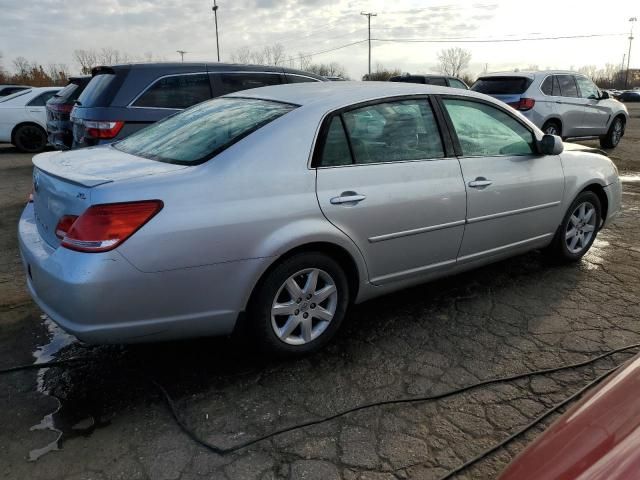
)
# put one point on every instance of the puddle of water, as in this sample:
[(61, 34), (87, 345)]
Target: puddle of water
[(629, 178), (58, 339)]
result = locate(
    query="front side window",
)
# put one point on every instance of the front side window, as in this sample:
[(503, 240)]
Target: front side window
[(567, 86), (177, 91), (203, 131), (484, 130), (235, 82), (393, 131), (587, 88)]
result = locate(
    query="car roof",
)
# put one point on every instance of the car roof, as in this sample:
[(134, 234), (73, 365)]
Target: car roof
[(528, 73), (332, 95), (208, 66), (3, 85)]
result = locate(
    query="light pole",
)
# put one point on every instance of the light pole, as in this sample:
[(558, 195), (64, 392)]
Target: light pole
[(215, 16), (369, 15), (626, 78), (181, 52)]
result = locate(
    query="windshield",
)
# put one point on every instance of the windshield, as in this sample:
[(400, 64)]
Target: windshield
[(201, 132), (502, 85), (14, 95)]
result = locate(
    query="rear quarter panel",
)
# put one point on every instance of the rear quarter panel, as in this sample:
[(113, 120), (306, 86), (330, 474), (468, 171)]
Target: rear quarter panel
[(255, 200)]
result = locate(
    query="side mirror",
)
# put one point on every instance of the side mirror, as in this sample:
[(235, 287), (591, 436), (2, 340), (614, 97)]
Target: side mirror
[(604, 95), (551, 145)]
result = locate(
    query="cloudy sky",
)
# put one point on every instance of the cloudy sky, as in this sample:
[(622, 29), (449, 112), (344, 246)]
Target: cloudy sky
[(47, 31)]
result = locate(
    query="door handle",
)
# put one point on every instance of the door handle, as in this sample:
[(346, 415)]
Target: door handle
[(558, 101), (34, 111), (480, 182), (347, 197)]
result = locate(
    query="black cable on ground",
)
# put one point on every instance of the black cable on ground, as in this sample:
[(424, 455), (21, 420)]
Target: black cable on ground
[(226, 450), (527, 427), (37, 366)]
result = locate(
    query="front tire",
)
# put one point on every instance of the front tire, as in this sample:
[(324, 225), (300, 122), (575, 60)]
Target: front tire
[(614, 135), (578, 229), (552, 128), (30, 139), (299, 305)]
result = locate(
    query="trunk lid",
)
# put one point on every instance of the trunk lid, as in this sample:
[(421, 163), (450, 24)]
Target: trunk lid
[(63, 181)]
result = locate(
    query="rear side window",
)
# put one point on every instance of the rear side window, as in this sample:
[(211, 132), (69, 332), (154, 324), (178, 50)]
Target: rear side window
[(455, 83), (41, 99), (235, 82), (393, 132), (10, 90), (300, 79), (502, 85), (336, 151), (436, 81), (176, 91), (203, 131), (568, 86)]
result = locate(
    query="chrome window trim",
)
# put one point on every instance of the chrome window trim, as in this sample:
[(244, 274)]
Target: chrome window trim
[(302, 76), (544, 80)]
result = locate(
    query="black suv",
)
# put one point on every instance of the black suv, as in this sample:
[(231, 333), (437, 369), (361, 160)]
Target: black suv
[(442, 80), (122, 99), (59, 128)]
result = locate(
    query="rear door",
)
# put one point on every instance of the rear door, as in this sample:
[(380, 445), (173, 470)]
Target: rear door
[(596, 114), (513, 193), (383, 178), (570, 106), (36, 109)]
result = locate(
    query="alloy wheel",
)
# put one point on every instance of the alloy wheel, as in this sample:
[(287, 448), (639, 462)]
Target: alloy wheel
[(304, 306), (551, 130), (581, 228), (616, 135), (30, 138)]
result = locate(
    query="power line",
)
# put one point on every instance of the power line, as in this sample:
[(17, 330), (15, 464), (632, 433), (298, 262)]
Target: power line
[(490, 40), (327, 51)]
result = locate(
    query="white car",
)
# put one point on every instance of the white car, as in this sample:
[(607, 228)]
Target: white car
[(23, 118)]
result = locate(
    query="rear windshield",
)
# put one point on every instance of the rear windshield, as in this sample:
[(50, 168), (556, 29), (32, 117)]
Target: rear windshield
[(502, 85), (67, 94), (201, 132), (102, 89)]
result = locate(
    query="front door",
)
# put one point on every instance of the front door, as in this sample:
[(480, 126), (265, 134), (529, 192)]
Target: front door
[(596, 114), (513, 193), (383, 179), (570, 107)]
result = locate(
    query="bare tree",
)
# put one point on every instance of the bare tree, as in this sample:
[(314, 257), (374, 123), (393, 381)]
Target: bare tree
[(21, 66), (589, 71), (381, 73), (87, 59), (268, 55), (58, 73), (277, 54), (241, 55), (333, 69), (453, 61), (304, 61)]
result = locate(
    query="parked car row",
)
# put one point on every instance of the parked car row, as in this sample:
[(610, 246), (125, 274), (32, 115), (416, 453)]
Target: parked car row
[(561, 103)]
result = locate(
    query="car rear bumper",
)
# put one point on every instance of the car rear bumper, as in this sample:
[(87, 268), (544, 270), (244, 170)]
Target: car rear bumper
[(102, 298)]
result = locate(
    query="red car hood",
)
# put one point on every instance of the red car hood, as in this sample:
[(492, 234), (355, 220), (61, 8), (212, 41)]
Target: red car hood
[(597, 439)]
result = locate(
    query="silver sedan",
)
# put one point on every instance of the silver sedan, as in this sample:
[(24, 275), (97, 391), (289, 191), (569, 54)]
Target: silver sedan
[(284, 205)]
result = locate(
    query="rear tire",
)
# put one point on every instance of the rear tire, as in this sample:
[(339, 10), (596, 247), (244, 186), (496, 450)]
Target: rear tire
[(300, 304), (614, 135), (30, 139), (578, 229), (552, 127)]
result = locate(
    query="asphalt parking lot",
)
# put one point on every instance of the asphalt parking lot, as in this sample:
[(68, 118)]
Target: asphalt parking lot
[(104, 417)]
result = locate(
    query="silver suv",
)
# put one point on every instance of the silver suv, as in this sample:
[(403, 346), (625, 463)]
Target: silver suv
[(560, 103)]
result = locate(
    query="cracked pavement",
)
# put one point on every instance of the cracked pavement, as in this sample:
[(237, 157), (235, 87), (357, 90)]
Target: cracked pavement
[(518, 315)]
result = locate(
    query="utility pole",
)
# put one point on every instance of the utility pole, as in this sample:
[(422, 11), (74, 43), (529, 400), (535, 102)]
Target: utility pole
[(369, 15), (619, 81), (181, 52), (626, 78), (215, 16)]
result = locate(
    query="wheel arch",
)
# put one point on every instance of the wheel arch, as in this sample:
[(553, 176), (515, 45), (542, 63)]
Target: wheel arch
[(602, 196), (338, 253), (25, 123)]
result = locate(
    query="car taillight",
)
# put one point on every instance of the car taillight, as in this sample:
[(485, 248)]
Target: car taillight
[(60, 107), (523, 104), (103, 227), (64, 224), (99, 129)]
